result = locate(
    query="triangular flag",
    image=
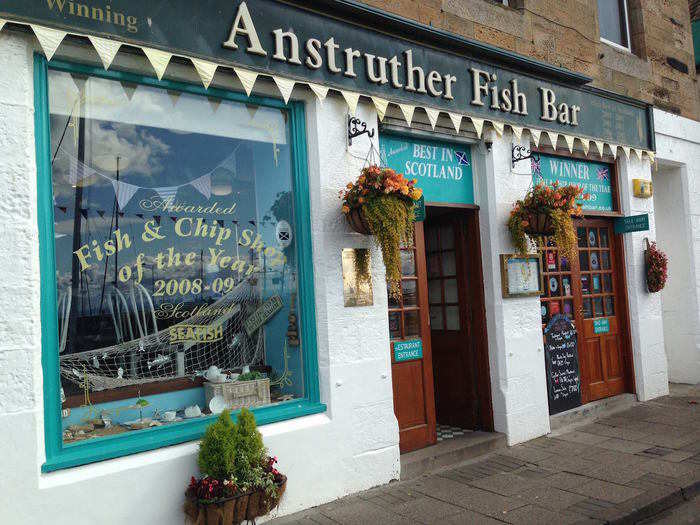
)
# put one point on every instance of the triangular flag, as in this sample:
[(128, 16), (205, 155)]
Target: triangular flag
[(651, 156), (49, 39), (570, 142), (351, 98), (214, 103), (638, 153), (518, 132), (498, 126), (205, 70), (2, 23), (478, 125), (285, 86), (320, 91), (433, 115), (535, 136), (586, 145), (626, 149), (101, 213), (456, 119), (174, 95), (140, 215), (106, 49), (599, 146), (158, 59), (407, 110), (553, 138), (123, 191), (380, 104), (128, 88), (203, 185), (247, 78), (613, 149), (166, 192)]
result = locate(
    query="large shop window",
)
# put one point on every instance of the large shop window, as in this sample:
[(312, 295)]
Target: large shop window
[(177, 258)]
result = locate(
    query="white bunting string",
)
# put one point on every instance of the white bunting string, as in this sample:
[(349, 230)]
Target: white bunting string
[(380, 105), (106, 49), (285, 86), (586, 144), (600, 146), (553, 138), (49, 39), (351, 98), (569, 142), (206, 70), (498, 126), (158, 59), (517, 132), (535, 136), (613, 150), (203, 185), (456, 119), (626, 149), (2, 23), (123, 191), (407, 110), (433, 115), (319, 90), (478, 125), (247, 78)]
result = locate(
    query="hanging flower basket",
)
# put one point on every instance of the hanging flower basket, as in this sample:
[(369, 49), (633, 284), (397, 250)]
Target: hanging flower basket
[(546, 211), (656, 263), (380, 203), (357, 221)]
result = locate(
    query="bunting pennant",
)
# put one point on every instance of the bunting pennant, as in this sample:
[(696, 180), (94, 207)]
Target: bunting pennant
[(586, 145), (285, 86), (456, 119), (320, 91), (535, 136), (569, 142), (613, 149), (106, 49), (158, 59), (205, 69), (129, 89), (247, 78), (49, 39), (553, 138), (140, 215), (166, 192), (351, 98), (478, 125), (203, 185), (2, 23), (433, 115), (380, 104), (123, 192), (407, 110), (651, 156), (517, 132), (101, 213), (638, 153), (498, 126), (626, 149), (600, 146)]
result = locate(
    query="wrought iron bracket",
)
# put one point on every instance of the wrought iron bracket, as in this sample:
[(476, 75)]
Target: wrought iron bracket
[(357, 127), (519, 153)]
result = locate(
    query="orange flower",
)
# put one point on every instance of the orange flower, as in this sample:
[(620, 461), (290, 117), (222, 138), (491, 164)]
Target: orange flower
[(346, 208), (361, 200)]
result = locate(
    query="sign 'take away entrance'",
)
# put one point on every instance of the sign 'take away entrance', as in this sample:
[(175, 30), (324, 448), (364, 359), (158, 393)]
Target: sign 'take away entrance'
[(281, 38)]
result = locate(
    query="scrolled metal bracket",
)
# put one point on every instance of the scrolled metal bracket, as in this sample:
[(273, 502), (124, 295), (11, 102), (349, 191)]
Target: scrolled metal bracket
[(521, 152), (357, 127)]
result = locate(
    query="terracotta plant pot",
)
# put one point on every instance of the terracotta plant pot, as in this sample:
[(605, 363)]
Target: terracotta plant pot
[(357, 221), (539, 223)]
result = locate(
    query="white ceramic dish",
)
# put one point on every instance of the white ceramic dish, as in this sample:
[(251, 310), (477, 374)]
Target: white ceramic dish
[(217, 404)]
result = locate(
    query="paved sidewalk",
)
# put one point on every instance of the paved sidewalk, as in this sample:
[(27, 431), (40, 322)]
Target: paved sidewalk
[(618, 469)]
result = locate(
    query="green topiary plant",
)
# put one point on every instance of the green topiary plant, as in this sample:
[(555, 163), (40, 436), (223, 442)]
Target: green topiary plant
[(250, 450), (217, 451)]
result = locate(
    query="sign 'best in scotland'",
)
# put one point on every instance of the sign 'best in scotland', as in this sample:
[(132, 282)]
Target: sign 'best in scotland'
[(593, 177), (443, 171)]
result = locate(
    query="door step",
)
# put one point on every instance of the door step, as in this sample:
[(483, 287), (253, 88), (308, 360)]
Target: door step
[(591, 411), (449, 452)]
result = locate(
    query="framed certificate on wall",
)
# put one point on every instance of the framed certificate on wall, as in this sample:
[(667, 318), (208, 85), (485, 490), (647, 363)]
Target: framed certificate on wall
[(521, 275)]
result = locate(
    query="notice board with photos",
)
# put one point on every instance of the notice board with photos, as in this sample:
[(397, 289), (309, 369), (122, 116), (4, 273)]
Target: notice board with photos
[(562, 365)]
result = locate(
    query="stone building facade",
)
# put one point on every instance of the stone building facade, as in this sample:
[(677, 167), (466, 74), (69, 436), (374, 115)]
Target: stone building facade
[(660, 68)]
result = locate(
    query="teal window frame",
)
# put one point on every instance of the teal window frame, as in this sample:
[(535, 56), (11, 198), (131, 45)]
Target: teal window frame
[(60, 455)]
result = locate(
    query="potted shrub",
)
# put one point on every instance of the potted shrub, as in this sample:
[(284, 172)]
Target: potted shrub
[(544, 211), (240, 480), (656, 268), (380, 203)]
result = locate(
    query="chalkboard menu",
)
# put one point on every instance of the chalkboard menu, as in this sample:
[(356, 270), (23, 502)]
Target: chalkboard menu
[(561, 364)]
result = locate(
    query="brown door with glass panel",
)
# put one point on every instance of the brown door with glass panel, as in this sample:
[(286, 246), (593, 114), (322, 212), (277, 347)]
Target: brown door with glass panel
[(590, 292), (414, 403)]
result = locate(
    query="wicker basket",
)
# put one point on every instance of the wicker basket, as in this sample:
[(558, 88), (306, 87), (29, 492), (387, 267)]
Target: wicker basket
[(539, 223), (239, 394), (357, 221)]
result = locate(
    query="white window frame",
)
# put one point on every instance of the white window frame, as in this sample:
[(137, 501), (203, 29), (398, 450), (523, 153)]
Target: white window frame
[(628, 47)]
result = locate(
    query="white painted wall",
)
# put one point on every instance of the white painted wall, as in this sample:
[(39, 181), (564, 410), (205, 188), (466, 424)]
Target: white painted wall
[(677, 205), (352, 447)]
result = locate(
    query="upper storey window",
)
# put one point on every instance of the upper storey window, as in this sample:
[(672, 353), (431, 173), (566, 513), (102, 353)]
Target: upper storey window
[(614, 23)]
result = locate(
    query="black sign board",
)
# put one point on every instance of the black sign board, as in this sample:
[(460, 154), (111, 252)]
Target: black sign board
[(291, 40), (561, 365)]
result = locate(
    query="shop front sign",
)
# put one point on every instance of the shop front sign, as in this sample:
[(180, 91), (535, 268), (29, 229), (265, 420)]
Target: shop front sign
[(443, 171), (287, 39), (593, 177), (601, 325), (408, 350), (633, 223)]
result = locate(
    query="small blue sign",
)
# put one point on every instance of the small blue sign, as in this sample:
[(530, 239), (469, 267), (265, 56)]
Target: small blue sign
[(593, 177), (443, 170), (601, 326), (408, 350)]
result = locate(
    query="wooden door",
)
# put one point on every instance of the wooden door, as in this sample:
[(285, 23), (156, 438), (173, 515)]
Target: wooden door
[(602, 356), (449, 290), (590, 290), (414, 403)]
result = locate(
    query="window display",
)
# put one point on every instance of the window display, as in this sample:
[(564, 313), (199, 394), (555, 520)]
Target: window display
[(175, 249)]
